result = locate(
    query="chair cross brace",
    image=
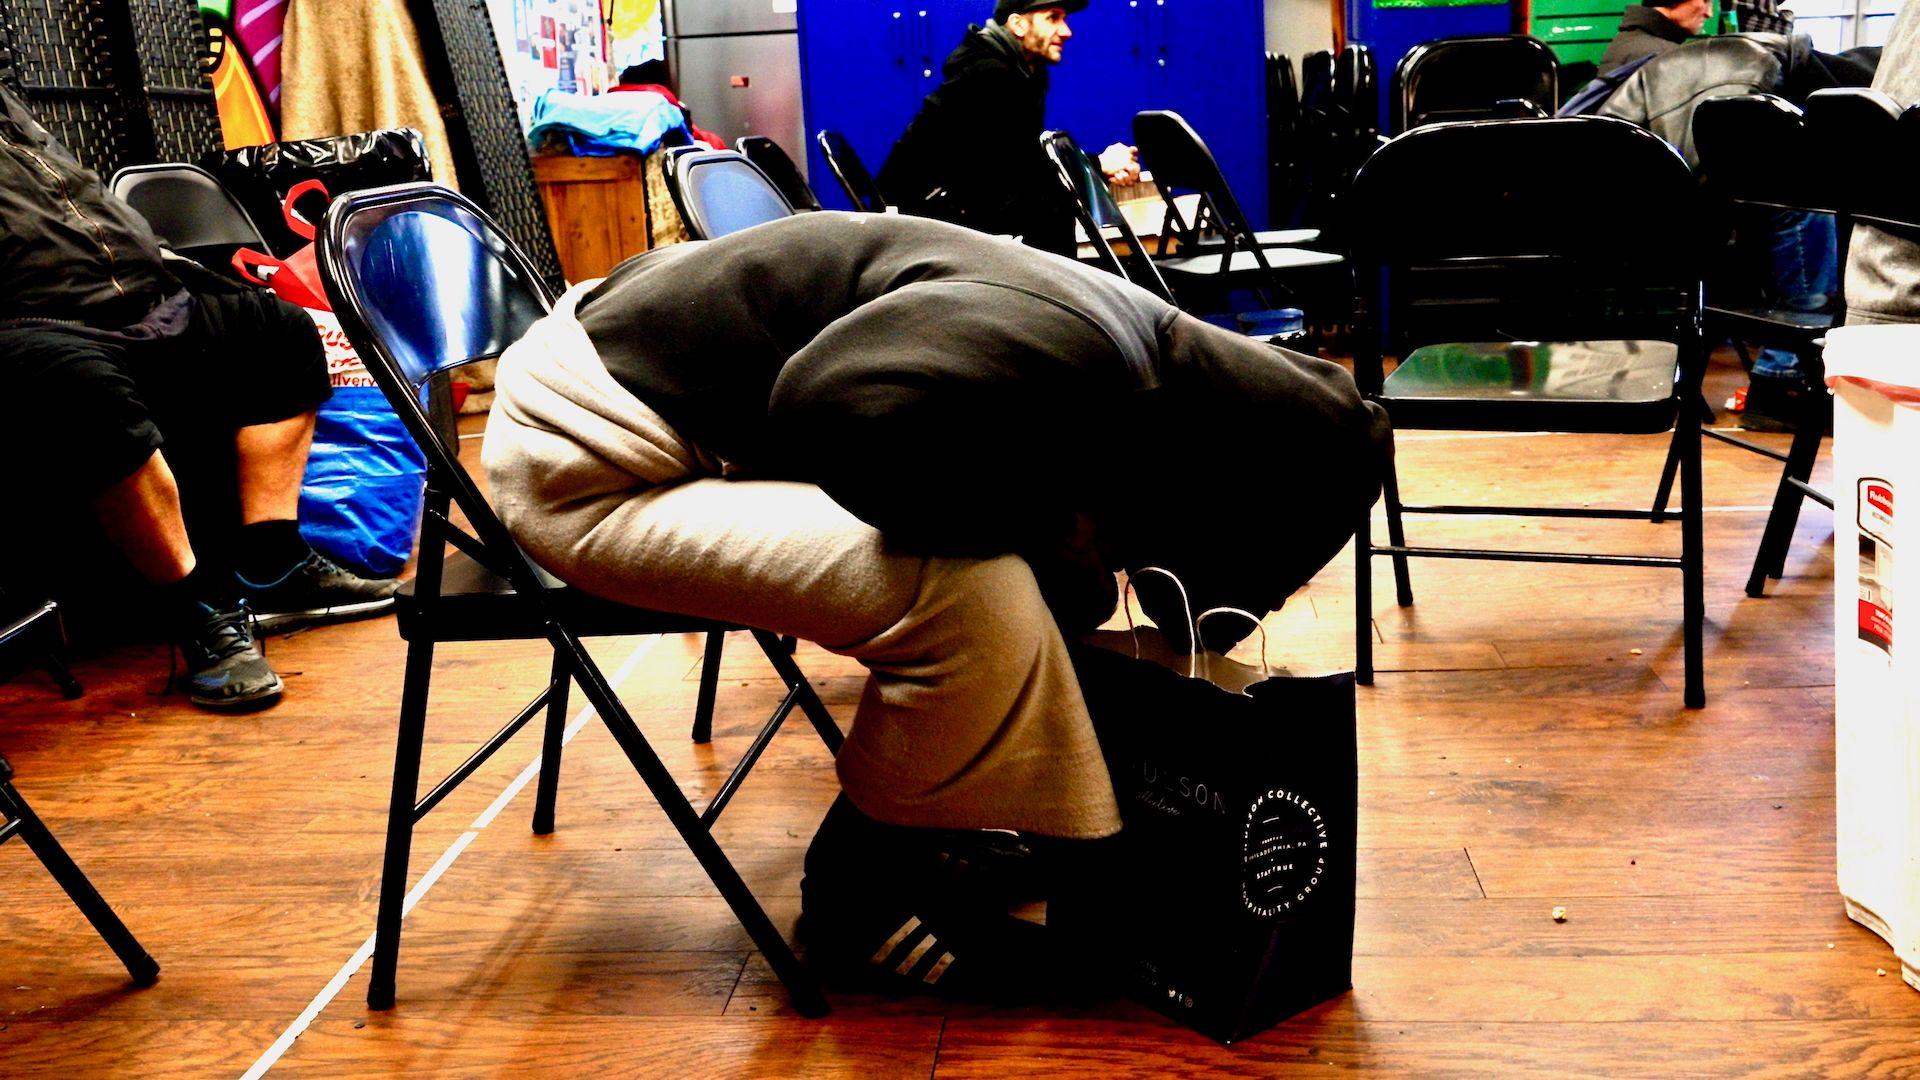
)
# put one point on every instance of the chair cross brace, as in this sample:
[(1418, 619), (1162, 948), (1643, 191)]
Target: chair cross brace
[(458, 776), (1504, 555)]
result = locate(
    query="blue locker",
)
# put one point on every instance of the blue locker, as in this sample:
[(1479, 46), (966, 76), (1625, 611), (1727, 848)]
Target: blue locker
[(866, 64)]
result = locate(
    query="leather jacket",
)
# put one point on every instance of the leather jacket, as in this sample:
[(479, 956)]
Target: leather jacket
[(1663, 93)]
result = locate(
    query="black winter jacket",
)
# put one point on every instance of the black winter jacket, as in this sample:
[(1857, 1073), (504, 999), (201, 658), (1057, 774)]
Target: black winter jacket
[(966, 396), (972, 156), (68, 249)]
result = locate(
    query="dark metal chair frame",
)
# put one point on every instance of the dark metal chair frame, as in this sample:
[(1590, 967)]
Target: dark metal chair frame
[(852, 173), (1757, 152), (1094, 207), (490, 590), (1181, 162), (1465, 263), (780, 168), (18, 819), (1477, 77), (683, 176)]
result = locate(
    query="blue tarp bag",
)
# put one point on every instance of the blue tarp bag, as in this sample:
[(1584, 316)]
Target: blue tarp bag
[(365, 483)]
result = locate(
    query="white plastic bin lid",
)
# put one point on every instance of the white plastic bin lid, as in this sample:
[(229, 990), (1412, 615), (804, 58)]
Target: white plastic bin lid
[(1884, 358)]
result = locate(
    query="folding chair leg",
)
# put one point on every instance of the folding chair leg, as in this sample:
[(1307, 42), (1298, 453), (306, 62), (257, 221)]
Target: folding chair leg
[(1771, 560), (709, 685), (548, 791), (1692, 565), (802, 989), (1363, 600), (140, 966), (780, 655), (1397, 536), (406, 789)]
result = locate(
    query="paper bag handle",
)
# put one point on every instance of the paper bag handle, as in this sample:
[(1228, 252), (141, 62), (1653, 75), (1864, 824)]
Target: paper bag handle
[(1193, 631), (1245, 614)]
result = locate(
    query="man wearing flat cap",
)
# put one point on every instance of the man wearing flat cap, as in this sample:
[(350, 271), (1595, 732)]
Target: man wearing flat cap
[(972, 156)]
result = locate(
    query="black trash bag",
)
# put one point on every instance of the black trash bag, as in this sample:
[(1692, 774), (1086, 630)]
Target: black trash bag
[(261, 176)]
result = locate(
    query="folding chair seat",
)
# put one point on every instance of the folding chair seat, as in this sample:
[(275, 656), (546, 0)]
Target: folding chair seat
[(851, 172), (1592, 326), (719, 192), (423, 283), (779, 167), (1757, 156), (1181, 162), (1482, 77)]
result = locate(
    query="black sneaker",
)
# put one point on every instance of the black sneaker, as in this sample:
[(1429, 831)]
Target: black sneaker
[(1784, 403), (225, 670), (317, 590)]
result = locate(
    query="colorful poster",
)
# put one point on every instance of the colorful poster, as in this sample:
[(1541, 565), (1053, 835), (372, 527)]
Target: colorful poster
[(243, 45)]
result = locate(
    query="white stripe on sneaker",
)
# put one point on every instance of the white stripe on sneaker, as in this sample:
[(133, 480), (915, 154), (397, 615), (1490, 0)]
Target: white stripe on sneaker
[(920, 950), (900, 935), (938, 969)]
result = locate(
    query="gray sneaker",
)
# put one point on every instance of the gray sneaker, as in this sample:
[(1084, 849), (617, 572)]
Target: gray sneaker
[(316, 591), (225, 670)]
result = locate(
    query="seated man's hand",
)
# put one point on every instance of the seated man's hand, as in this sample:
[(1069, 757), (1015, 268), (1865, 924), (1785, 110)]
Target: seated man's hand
[(1121, 164)]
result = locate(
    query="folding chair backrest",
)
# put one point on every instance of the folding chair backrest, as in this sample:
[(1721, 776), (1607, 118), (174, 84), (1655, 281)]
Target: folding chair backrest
[(720, 192), (1316, 80), (779, 167), (1180, 162), (1756, 149), (852, 173), (424, 282), (1283, 96), (1486, 77), (1476, 244), (189, 209), (1356, 86), (1094, 206), (1857, 133)]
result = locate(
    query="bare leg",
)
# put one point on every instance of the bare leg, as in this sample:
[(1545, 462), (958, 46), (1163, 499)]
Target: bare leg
[(273, 460), (141, 515)]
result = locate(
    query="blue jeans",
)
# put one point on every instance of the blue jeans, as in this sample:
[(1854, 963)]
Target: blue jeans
[(1803, 272)]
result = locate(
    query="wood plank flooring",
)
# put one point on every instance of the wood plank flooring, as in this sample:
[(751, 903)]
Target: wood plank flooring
[(1524, 748)]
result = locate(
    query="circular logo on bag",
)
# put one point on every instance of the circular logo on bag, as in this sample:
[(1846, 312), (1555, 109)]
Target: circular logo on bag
[(1283, 853)]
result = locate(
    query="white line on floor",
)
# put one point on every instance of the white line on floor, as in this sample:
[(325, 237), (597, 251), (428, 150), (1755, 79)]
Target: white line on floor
[(339, 981)]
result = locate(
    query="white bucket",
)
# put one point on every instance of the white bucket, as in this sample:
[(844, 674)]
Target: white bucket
[(1875, 373)]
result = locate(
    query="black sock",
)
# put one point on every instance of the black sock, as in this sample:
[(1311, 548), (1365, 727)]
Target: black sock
[(269, 550), (185, 601)]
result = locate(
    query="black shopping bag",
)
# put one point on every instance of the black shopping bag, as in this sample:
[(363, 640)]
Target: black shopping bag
[(1228, 899)]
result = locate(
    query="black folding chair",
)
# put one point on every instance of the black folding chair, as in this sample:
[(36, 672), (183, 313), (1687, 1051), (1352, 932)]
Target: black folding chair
[(1181, 164), (1757, 157), (191, 210), (1590, 326), (42, 621), (1481, 77), (719, 192), (852, 173), (779, 167), (424, 282), (1097, 213), (18, 819)]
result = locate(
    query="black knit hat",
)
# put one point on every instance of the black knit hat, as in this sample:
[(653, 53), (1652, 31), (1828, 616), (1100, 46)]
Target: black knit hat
[(1004, 8)]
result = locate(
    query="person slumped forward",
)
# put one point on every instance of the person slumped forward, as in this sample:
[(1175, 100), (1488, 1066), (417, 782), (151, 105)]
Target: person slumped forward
[(108, 347), (927, 449)]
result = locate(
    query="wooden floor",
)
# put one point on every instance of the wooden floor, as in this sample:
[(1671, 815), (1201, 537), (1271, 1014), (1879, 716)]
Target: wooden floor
[(1525, 748)]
